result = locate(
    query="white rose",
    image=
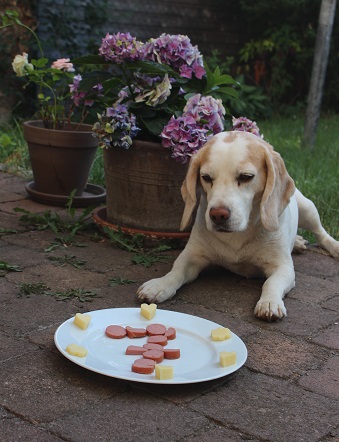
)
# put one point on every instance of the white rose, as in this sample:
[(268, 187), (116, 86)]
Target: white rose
[(20, 63)]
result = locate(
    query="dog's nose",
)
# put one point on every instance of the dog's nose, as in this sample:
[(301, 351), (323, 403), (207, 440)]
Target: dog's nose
[(219, 215)]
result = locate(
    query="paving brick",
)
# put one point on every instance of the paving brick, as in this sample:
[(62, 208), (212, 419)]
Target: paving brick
[(270, 409), (332, 304), (221, 434), (329, 337), (274, 354), (34, 388), (9, 196), (14, 429), (324, 381), (303, 319), (149, 418), (317, 264), (313, 289)]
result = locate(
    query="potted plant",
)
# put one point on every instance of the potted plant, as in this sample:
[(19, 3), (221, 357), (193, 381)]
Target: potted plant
[(61, 146), (164, 104)]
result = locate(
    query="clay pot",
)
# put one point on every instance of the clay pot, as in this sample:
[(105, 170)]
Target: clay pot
[(143, 187), (61, 159)]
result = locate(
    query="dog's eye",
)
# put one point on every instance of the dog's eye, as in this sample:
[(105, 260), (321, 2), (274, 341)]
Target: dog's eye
[(245, 178), (207, 178)]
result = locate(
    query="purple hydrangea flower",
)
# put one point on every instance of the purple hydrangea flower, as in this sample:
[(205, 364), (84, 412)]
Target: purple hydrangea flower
[(207, 111), (116, 127), (183, 137), (176, 51), (79, 97), (245, 125), (120, 47)]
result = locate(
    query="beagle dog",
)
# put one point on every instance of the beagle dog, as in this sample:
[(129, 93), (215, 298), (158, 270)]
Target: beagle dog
[(247, 220)]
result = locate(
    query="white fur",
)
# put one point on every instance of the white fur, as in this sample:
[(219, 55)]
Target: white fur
[(261, 230)]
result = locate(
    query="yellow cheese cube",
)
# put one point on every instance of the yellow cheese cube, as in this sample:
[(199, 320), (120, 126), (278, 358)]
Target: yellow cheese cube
[(227, 358), (163, 372), (220, 334), (81, 320), (148, 310), (76, 350)]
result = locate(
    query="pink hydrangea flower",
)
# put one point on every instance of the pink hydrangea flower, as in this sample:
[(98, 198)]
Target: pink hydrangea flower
[(183, 137), (176, 51), (120, 47), (63, 64), (245, 125), (207, 111)]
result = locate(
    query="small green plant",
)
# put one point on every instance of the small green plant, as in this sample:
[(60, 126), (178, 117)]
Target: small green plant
[(68, 259), (6, 231), (81, 294), (27, 289), (120, 281), (9, 267), (135, 244), (52, 220)]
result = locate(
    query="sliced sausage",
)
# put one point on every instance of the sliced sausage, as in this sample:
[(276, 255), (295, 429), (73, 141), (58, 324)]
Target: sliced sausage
[(156, 329), (135, 332), (135, 350), (171, 333), (158, 339), (143, 366), (155, 355), (153, 347), (115, 331), (172, 353)]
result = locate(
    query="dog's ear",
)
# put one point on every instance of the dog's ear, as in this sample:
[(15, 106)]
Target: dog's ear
[(278, 190), (188, 190)]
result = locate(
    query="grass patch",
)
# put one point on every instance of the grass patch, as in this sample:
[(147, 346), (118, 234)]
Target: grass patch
[(316, 171)]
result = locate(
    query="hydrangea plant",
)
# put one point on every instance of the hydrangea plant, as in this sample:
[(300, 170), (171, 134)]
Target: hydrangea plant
[(161, 90)]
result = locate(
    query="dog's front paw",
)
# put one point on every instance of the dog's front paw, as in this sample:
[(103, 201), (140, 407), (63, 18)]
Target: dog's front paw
[(270, 310), (299, 244), (155, 290)]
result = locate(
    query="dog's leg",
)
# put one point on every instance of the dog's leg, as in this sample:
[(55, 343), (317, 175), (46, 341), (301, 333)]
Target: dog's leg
[(271, 305), (309, 219), (186, 268)]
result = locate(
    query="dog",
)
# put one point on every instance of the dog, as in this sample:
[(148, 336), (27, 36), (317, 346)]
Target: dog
[(247, 220)]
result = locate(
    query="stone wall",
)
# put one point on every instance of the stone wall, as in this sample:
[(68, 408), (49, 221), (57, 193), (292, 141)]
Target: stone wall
[(75, 27)]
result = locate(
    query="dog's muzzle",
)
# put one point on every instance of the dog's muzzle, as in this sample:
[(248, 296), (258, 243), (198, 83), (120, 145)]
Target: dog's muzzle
[(219, 215)]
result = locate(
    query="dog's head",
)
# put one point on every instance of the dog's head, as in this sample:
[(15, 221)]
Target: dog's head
[(243, 179)]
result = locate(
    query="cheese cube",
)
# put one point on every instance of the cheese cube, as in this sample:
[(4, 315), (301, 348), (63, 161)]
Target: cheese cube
[(76, 350), (81, 320), (227, 358), (220, 334), (163, 372), (148, 310)]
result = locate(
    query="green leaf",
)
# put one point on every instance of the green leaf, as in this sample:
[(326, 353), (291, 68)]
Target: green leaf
[(40, 63), (229, 91)]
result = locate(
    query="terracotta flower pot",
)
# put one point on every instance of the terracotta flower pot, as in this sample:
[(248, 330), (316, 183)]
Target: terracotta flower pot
[(61, 159), (143, 187)]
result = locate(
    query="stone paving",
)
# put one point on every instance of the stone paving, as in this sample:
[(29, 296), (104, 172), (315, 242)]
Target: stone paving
[(287, 391)]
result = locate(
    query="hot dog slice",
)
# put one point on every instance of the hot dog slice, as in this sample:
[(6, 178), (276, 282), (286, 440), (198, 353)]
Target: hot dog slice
[(135, 332), (143, 366), (155, 355), (171, 333), (158, 339), (156, 329), (153, 347), (135, 350), (115, 331), (172, 353)]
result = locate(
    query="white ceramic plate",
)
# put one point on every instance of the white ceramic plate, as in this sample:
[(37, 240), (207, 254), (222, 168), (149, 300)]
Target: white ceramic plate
[(199, 360)]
